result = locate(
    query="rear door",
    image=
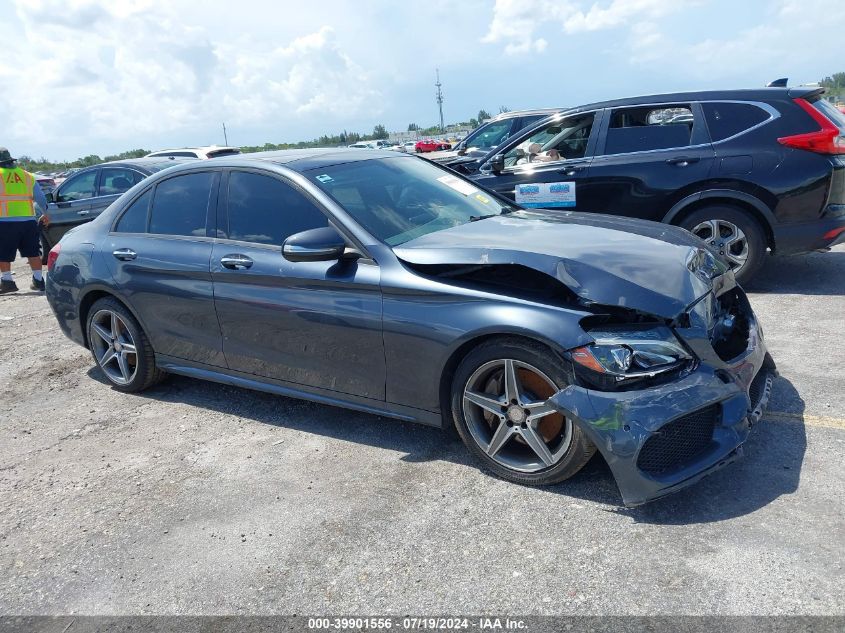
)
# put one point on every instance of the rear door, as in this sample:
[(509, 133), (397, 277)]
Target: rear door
[(645, 159), (71, 204), (158, 252), (547, 168), (316, 324)]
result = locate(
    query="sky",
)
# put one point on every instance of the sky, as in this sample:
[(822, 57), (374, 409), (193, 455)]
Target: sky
[(99, 77)]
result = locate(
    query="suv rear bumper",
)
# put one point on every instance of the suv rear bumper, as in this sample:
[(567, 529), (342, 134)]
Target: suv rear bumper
[(809, 236)]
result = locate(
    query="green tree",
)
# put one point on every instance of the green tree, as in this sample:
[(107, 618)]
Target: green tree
[(413, 127), (503, 109), (380, 132), (483, 115)]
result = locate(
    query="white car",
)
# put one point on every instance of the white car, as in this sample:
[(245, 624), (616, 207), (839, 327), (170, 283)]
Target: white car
[(211, 151), (362, 145)]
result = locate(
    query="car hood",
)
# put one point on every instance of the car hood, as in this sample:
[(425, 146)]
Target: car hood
[(650, 267)]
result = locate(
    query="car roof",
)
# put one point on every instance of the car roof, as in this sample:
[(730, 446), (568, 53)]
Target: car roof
[(515, 113), (744, 94), (151, 164)]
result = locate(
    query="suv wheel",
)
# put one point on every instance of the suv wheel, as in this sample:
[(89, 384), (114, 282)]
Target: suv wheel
[(120, 348), (732, 232), (498, 406)]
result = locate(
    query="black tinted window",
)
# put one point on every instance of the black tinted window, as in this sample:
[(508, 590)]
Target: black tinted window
[(649, 128), (134, 219), (116, 180), (726, 119), (180, 205), (265, 210)]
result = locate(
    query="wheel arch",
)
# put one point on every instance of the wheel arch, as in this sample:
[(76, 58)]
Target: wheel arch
[(465, 347), (93, 295), (745, 202)]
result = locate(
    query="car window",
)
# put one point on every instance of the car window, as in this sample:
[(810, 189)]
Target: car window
[(266, 210), (649, 128), (134, 219), (116, 180), (79, 187), (180, 205), (492, 135), (175, 154), (217, 153), (727, 119), (562, 139)]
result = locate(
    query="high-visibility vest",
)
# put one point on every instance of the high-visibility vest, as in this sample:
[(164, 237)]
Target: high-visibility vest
[(17, 187)]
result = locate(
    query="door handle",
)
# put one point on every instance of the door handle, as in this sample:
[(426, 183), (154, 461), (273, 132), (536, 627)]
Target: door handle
[(682, 161), (125, 254), (83, 212), (236, 262), (572, 170)]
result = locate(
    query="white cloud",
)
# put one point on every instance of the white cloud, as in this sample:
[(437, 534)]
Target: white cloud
[(134, 70), (515, 22)]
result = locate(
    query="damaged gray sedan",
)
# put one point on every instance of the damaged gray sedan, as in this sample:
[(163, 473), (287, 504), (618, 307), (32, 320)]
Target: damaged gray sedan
[(384, 283)]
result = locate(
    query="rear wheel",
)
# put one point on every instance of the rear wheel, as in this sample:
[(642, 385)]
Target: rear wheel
[(734, 233), (120, 347), (499, 407)]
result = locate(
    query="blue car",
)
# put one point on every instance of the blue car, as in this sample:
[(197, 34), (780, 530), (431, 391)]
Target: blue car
[(382, 282)]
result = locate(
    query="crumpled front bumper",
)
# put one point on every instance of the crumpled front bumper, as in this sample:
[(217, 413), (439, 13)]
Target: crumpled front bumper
[(620, 423)]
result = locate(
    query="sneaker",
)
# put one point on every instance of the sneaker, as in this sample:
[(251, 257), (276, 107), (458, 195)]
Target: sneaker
[(37, 284), (7, 286)]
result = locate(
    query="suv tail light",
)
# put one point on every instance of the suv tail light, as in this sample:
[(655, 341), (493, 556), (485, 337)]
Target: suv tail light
[(828, 140), (53, 256)]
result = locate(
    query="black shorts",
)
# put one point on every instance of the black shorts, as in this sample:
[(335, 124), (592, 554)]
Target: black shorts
[(23, 237)]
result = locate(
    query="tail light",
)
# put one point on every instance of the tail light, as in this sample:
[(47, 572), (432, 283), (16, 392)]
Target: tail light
[(53, 256), (828, 140)]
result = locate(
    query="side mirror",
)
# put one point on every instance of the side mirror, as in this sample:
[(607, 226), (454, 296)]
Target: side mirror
[(315, 245), (50, 197), (497, 163)]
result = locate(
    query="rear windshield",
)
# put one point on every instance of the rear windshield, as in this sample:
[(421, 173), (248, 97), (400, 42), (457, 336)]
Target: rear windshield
[(836, 116), (223, 152)]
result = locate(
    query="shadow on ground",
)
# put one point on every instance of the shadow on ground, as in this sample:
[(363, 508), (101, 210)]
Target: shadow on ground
[(812, 274), (771, 467)]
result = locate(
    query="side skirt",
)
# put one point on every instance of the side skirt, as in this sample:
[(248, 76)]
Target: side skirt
[(292, 390)]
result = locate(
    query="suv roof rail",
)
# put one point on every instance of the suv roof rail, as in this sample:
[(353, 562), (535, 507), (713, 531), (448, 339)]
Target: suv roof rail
[(778, 83)]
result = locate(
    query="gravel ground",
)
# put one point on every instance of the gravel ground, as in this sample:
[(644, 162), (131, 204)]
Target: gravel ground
[(196, 498)]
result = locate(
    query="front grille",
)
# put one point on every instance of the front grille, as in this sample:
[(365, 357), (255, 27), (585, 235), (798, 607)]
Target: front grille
[(679, 441)]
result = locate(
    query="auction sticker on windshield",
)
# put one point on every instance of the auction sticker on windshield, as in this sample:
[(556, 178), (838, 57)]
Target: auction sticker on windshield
[(546, 194), (461, 186)]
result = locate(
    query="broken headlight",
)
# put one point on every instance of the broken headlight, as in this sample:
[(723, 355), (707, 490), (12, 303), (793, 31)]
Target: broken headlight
[(625, 355)]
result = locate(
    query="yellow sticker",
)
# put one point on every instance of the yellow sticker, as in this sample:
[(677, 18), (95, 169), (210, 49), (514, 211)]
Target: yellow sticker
[(481, 198)]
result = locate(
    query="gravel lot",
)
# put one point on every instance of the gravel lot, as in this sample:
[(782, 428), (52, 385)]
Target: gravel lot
[(202, 499)]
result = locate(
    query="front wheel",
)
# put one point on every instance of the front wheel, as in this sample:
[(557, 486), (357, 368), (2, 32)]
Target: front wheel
[(499, 408), (735, 234), (120, 347)]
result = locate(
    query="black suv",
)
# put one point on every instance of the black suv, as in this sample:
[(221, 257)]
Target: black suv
[(745, 170), (84, 195)]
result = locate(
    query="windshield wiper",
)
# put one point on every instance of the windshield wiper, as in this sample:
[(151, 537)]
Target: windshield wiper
[(502, 211)]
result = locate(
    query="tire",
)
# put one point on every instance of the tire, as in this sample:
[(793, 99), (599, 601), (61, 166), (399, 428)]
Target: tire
[(514, 458), (701, 223), (109, 319)]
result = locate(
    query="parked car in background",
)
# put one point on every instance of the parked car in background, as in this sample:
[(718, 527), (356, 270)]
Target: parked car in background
[(489, 135), (430, 145), (384, 283), (409, 146), (85, 194), (361, 145), (212, 151), (47, 183), (747, 171)]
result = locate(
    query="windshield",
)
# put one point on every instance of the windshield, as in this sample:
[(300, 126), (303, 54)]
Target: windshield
[(489, 135), (399, 199)]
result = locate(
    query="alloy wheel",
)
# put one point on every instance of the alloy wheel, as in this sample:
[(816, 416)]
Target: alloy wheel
[(504, 405), (113, 347), (727, 237)]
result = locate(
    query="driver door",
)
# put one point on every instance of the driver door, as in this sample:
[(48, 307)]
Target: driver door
[(71, 204), (546, 167)]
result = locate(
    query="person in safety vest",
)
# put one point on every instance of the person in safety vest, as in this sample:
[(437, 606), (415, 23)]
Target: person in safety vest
[(20, 199)]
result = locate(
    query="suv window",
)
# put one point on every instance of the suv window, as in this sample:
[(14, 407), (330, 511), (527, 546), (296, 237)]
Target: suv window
[(728, 119), (491, 136), (266, 210), (180, 205), (175, 154), (564, 139), (134, 219), (78, 188), (116, 180), (648, 128)]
